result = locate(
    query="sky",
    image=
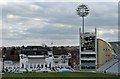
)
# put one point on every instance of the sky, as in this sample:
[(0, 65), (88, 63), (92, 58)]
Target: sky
[(36, 23)]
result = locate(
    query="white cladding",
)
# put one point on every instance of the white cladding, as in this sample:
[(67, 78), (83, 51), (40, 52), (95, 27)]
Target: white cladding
[(60, 60), (35, 60)]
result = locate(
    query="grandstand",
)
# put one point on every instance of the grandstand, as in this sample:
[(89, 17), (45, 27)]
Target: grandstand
[(116, 47), (113, 65), (113, 69), (110, 67)]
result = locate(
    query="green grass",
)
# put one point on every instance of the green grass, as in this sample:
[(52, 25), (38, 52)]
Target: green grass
[(59, 74)]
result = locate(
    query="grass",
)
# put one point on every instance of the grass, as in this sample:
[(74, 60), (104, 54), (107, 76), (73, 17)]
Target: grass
[(59, 75)]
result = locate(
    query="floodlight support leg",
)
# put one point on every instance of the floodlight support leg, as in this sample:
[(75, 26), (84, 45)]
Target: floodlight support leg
[(83, 24)]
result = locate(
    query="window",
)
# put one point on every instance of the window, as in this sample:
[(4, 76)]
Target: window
[(22, 65), (50, 55), (63, 61), (21, 57), (46, 65), (31, 66), (56, 61), (92, 67), (38, 65), (83, 67), (45, 53), (50, 65), (56, 57), (64, 56), (106, 49), (42, 66), (35, 53), (34, 48), (34, 66), (26, 66)]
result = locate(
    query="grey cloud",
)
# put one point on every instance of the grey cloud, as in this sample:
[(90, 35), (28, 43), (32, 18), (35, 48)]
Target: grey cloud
[(110, 37), (101, 15), (65, 13), (50, 32)]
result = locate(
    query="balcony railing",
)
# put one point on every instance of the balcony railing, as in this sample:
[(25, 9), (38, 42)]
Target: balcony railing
[(87, 69), (88, 57), (87, 64)]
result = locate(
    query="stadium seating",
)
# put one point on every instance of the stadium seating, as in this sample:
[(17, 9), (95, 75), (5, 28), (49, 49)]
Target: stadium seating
[(113, 69), (110, 67), (116, 47)]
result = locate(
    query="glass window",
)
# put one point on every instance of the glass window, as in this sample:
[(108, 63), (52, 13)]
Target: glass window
[(42, 66), (50, 55), (88, 43), (45, 65), (38, 65), (34, 48), (34, 66), (56, 61), (31, 66), (22, 65), (56, 56), (63, 61), (26, 66)]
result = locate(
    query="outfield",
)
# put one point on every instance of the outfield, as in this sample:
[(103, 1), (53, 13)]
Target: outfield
[(59, 75)]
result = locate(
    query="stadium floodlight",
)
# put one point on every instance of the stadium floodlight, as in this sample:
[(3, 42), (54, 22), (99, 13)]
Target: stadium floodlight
[(82, 11)]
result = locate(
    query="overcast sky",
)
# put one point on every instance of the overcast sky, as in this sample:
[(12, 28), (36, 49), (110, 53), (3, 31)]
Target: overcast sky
[(34, 23)]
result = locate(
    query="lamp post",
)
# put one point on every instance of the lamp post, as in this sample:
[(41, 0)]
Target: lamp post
[(82, 11), (3, 57)]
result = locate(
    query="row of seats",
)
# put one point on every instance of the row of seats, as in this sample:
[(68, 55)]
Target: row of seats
[(111, 66), (113, 69)]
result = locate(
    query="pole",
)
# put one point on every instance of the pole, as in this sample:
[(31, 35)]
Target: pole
[(3, 57), (3, 64), (83, 24), (79, 48), (51, 64)]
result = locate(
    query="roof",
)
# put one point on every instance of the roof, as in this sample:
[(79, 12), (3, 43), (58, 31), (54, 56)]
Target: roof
[(104, 41), (116, 47), (31, 47), (35, 50), (59, 51)]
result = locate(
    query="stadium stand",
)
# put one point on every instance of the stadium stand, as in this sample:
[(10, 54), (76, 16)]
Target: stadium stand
[(104, 67), (116, 47), (111, 67)]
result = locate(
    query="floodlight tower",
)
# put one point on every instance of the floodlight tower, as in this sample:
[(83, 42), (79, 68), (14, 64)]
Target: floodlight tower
[(88, 44), (82, 11)]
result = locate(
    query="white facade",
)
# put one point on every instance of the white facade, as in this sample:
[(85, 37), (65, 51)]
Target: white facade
[(33, 61), (60, 60), (45, 62)]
